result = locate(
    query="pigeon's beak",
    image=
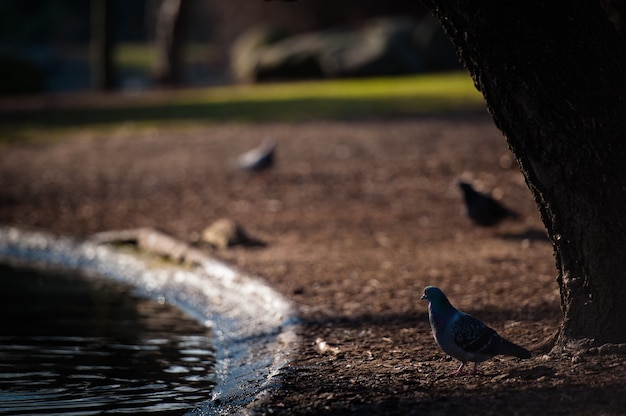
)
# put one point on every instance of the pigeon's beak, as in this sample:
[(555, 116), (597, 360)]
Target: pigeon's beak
[(423, 297)]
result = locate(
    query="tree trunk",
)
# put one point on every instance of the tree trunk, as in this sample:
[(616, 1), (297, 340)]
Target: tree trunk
[(616, 12), (169, 41), (553, 76), (103, 72)]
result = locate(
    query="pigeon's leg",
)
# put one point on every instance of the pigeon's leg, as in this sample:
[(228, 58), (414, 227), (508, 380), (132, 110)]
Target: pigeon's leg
[(475, 370), (459, 371)]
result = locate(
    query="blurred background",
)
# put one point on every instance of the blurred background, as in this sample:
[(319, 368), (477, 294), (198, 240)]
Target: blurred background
[(76, 45)]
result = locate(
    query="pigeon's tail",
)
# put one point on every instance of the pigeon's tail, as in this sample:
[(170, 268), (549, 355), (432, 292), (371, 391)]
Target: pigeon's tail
[(508, 348)]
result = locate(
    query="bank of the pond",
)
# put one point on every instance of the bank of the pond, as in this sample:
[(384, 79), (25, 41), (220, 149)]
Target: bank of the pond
[(253, 325)]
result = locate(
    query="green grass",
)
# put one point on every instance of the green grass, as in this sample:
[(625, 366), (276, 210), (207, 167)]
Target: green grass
[(140, 57), (137, 56), (365, 98)]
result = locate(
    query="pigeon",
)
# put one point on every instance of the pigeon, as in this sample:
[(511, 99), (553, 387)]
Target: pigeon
[(482, 209), (258, 159), (464, 337)]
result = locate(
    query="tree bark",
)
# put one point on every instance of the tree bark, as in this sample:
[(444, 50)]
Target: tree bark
[(553, 76), (616, 12), (169, 41)]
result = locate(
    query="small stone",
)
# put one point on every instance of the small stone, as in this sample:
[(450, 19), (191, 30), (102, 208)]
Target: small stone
[(324, 348), (223, 233)]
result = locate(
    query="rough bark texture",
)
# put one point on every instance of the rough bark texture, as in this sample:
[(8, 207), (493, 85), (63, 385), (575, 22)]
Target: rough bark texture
[(553, 78), (616, 12)]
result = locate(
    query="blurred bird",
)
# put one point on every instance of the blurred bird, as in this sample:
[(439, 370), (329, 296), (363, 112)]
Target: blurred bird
[(464, 337), (482, 209), (258, 159)]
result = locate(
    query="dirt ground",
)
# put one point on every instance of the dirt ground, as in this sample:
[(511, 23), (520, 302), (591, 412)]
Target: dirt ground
[(357, 217)]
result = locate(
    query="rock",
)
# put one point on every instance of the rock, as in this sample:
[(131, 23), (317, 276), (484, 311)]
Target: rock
[(385, 46), (224, 233), (247, 49), (295, 57), (323, 347)]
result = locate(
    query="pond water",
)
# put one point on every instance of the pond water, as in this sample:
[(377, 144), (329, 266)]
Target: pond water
[(71, 345)]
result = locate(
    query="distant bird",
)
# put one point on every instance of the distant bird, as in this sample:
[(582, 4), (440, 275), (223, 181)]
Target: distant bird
[(482, 209), (464, 337), (258, 159)]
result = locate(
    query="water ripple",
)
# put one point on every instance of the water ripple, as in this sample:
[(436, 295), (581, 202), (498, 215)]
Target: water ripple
[(114, 356)]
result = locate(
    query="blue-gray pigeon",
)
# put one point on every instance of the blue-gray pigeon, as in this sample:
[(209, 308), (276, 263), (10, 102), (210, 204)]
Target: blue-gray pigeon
[(482, 209), (464, 337), (258, 159)]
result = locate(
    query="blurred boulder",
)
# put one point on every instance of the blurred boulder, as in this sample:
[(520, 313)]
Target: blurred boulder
[(248, 48), (383, 47), (388, 46)]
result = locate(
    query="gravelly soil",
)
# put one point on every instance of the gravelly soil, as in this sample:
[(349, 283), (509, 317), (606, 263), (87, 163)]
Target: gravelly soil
[(357, 218)]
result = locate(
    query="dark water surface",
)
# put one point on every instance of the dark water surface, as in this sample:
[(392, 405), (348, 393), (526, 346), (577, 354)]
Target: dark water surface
[(71, 345)]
